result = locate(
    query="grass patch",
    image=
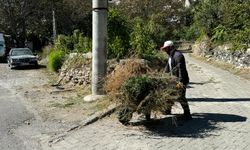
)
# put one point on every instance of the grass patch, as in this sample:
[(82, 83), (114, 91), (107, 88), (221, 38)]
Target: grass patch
[(76, 102), (52, 76), (59, 105), (97, 105)]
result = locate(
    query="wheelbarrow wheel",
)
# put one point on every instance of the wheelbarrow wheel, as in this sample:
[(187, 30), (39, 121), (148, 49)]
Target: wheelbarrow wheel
[(125, 115)]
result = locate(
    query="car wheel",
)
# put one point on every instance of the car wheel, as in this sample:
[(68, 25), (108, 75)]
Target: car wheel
[(36, 65), (11, 67)]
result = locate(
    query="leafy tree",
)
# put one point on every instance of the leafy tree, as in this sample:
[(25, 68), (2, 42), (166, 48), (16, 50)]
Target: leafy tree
[(16, 15), (81, 44), (224, 21), (163, 15), (141, 41), (73, 14), (236, 14), (73, 43), (32, 19), (219, 34), (144, 9), (208, 15), (119, 35)]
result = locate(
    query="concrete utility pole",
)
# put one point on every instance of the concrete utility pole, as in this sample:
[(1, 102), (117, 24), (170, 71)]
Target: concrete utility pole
[(187, 4), (54, 24), (54, 21), (99, 58)]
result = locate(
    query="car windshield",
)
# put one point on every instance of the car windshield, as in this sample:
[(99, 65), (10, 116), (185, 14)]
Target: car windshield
[(18, 52)]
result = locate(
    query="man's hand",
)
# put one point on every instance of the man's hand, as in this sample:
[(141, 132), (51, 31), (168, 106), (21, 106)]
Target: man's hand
[(179, 85)]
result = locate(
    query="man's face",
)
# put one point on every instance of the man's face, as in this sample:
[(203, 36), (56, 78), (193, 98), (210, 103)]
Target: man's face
[(166, 49)]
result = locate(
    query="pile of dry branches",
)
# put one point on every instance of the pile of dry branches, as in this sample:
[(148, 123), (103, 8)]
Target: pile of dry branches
[(137, 88)]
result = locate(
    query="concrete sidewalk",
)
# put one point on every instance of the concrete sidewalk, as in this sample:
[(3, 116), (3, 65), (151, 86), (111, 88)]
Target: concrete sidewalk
[(220, 105)]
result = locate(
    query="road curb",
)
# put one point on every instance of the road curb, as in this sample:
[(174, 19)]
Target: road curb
[(97, 116), (90, 120)]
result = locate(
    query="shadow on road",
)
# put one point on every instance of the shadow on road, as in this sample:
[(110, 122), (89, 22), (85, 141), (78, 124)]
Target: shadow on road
[(29, 67), (219, 99), (3, 61), (190, 85), (202, 125)]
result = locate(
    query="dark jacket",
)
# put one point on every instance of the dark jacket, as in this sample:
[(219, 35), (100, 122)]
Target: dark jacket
[(178, 66)]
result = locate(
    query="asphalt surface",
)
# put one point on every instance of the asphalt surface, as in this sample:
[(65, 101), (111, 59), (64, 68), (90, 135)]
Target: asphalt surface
[(13, 113)]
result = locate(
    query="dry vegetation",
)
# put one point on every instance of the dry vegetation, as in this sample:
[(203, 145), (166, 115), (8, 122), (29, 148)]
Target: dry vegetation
[(121, 73), (138, 88)]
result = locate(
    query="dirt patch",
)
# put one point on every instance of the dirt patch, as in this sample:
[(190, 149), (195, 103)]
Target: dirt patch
[(59, 103)]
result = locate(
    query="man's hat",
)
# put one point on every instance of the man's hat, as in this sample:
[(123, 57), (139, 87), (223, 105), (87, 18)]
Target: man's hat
[(167, 43)]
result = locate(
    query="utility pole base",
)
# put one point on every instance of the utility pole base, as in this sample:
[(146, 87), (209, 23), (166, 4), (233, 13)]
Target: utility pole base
[(91, 98)]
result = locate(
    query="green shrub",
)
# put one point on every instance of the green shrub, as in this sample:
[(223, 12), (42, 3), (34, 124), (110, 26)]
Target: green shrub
[(156, 29), (145, 93), (81, 44), (56, 59), (64, 43), (116, 48), (188, 33), (75, 43), (241, 39), (224, 21), (207, 15), (141, 41), (219, 34), (119, 35), (157, 61), (138, 87)]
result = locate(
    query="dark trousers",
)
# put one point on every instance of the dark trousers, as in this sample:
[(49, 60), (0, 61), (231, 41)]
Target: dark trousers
[(183, 101)]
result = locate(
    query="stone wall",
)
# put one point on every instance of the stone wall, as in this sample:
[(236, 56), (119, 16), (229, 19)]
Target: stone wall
[(238, 58), (76, 75)]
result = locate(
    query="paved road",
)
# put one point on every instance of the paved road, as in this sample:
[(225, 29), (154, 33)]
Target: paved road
[(13, 113), (220, 105)]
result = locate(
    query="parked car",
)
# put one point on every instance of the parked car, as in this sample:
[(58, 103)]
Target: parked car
[(21, 57)]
